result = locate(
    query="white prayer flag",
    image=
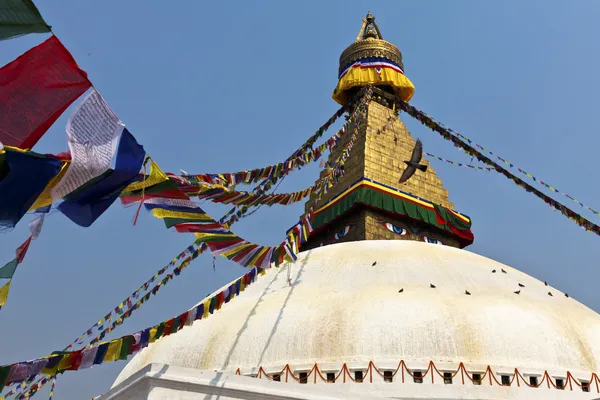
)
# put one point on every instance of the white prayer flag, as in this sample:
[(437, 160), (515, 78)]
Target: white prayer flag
[(92, 132), (35, 227)]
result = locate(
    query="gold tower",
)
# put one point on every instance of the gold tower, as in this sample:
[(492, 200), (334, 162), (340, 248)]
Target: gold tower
[(385, 209)]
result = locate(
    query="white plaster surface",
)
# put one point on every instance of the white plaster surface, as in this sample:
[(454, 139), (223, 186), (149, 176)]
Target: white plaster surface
[(341, 308)]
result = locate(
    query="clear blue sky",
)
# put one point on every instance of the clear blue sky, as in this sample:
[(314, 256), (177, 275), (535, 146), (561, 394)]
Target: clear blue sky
[(218, 87)]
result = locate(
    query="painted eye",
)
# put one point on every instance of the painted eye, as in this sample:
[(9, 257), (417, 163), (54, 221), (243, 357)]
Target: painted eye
[(396, 229), (343, 232), (427, 239)]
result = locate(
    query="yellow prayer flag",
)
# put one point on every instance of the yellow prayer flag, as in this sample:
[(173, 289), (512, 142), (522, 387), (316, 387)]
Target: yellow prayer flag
[(45, 199), (236, 249), (4, 293), (155, 177), (164, 213), (152, 335), (65, 362), (206, 305), (113, 351)]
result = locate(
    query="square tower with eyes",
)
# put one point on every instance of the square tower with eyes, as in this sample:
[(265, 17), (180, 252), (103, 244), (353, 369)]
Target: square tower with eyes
[(382, 145)]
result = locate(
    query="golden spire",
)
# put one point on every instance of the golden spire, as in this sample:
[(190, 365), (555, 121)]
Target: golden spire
[(368, 202)]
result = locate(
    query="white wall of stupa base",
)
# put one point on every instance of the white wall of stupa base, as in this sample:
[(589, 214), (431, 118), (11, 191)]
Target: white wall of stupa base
[(159, 381)]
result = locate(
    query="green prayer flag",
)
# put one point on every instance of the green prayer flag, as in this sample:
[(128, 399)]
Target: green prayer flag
[(126, 347), (20, 17), (159, 331), (8, 270), (175, 325), (4, 370)]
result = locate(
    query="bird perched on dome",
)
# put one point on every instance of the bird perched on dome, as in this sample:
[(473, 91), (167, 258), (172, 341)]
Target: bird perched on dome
[(414, 164)]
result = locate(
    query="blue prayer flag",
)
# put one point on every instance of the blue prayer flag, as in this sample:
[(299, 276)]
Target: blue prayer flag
[(86, 204), (23, 177)]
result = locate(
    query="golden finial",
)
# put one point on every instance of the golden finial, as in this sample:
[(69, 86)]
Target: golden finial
[(369, 45), (375, 46), (369, 29)]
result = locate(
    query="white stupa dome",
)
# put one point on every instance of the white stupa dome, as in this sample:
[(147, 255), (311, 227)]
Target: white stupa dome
[(357, 302)]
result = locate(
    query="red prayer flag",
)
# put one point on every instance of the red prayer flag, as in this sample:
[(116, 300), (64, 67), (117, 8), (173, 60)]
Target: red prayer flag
[(22, 250), (35, 89)]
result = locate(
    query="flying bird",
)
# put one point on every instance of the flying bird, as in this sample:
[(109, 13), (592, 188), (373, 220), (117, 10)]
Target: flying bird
[(503, 271), (431, 285), (401, 290), (467, 293), (517, 292), (413, 165), (375, 263), (521, 285), (550, 294), (566, 294), (493, 271), (545, 283)]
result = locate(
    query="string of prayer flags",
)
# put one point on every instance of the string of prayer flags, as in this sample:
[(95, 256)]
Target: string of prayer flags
[(458, 142), (35, 89), (354, 119), (322, 129), (155, 177), (121, 348), (136, 306), (9, 269), (191, 218), (271, 172), (460, 164), (136, 295), (92, 133), (265, 185), (178, 211), (20, 17), (527, 174), (52, 388), (222, 194), (337, 166), (23, 175), (88, 202)]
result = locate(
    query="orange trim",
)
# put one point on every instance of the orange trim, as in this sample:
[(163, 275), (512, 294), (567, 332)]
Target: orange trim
[(570, 379)]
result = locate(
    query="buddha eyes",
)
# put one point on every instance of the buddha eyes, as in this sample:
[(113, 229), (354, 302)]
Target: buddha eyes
[(427, 239), (342, 232), (396, 229)]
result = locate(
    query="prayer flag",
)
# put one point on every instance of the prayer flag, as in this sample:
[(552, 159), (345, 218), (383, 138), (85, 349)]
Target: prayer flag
[(86, 204), (27, 176), (88, 356), (9, 269), (20, 17), (145, 338), (37, 366), (4, 371), (4, 293), (35, 227), (35, 89), (100, 353), (18, 372), (22, 250), (114, 348), (125, 350), (92, 133)]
